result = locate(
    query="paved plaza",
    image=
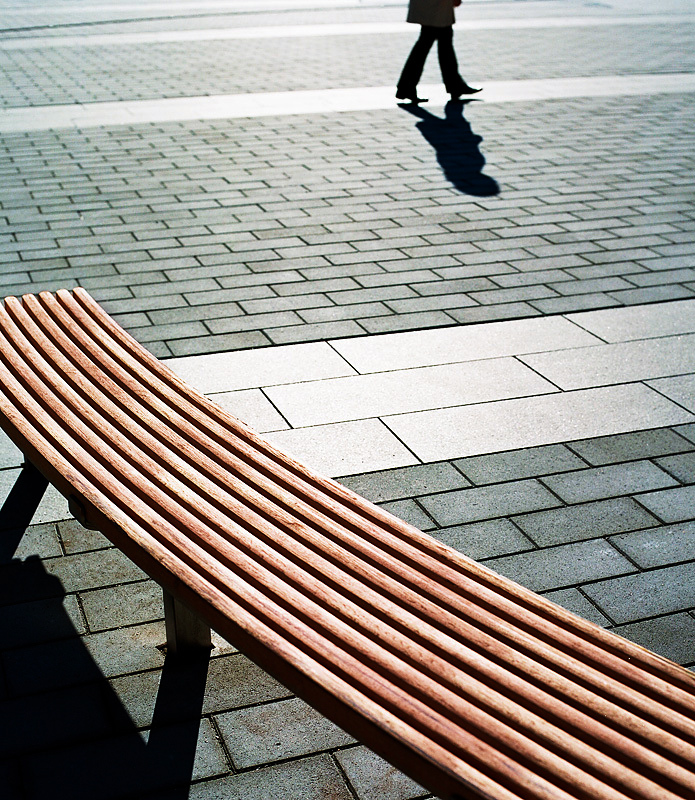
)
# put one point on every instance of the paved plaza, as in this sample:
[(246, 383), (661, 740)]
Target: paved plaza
[(480, 316)]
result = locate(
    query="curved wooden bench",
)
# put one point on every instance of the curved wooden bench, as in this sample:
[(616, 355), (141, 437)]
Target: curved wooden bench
[(471, 684)]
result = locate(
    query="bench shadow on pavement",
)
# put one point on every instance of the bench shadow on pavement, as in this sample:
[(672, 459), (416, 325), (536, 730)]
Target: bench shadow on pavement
[(457, 148), (65, 732)]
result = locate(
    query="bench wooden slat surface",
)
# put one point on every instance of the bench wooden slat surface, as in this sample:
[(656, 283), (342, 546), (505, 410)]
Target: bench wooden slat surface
[(473, 685)]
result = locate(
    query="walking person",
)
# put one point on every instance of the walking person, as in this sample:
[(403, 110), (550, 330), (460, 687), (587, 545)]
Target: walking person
[(436, 18)]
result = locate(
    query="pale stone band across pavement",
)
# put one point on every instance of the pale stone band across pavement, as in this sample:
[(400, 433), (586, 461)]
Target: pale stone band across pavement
[(396, 400), (482, 320), (499, 390), (321, 101), (327, 29)]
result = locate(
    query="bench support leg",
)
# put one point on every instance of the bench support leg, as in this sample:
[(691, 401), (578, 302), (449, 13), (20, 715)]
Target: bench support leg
[(186, 633)]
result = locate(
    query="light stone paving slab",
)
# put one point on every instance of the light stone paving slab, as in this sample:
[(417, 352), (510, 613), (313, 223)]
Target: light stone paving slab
[(377, 394), (681, 389), (10, 454), (469, 343), (329, 29), (252, 407), (53, 506), (639, 322), (345, 448), (528, 422), (251, 369), (616, 363), (323, 101)]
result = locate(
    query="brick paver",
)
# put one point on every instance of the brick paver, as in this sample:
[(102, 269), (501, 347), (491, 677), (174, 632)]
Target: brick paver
[(205, 237), (614, 560), (169, 223)]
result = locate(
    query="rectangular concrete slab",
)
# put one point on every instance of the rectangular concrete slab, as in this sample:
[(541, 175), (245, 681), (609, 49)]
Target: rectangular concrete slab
[(670, 505), (634, 597), (250, 369), (566, 565), (395, 484), (519, 464), (680, 389), (276, 731), (614, 480), (659, 547), (468, 343), (616, 363), (52, 507), (631, 446), (345, 448), (528, 422), (484, 539), (486, 502), (401, 391), (639, 322), (584, 521), (252, 407)]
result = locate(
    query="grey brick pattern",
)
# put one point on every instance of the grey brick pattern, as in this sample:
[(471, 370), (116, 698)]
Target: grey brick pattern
[(211, 236), (199, 237), (83, 671), (142, 71)]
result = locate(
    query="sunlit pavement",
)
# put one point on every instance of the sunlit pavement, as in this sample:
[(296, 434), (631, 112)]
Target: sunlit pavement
[(480, 315)]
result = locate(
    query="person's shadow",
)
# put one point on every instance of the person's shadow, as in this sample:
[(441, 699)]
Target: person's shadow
[(457, 148), (64, 732)]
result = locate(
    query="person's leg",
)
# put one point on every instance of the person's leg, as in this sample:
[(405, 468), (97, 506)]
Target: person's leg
[(454, 83), (447, 59), (415, 64)]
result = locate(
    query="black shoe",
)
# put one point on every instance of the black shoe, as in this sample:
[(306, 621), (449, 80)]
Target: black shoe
[(465, 89), (411, 97)]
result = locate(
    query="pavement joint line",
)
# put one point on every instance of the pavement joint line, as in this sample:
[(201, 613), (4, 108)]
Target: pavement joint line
[(328, 29), (322, 101), (583, 495), (627, 405)]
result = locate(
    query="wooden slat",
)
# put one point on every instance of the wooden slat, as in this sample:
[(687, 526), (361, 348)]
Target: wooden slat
[(187, 549), (466, 680), (409, 535), (650, 682), (338, 602)]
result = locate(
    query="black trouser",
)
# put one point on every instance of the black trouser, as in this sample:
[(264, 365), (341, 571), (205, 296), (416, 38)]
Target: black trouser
[(412, 71)]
